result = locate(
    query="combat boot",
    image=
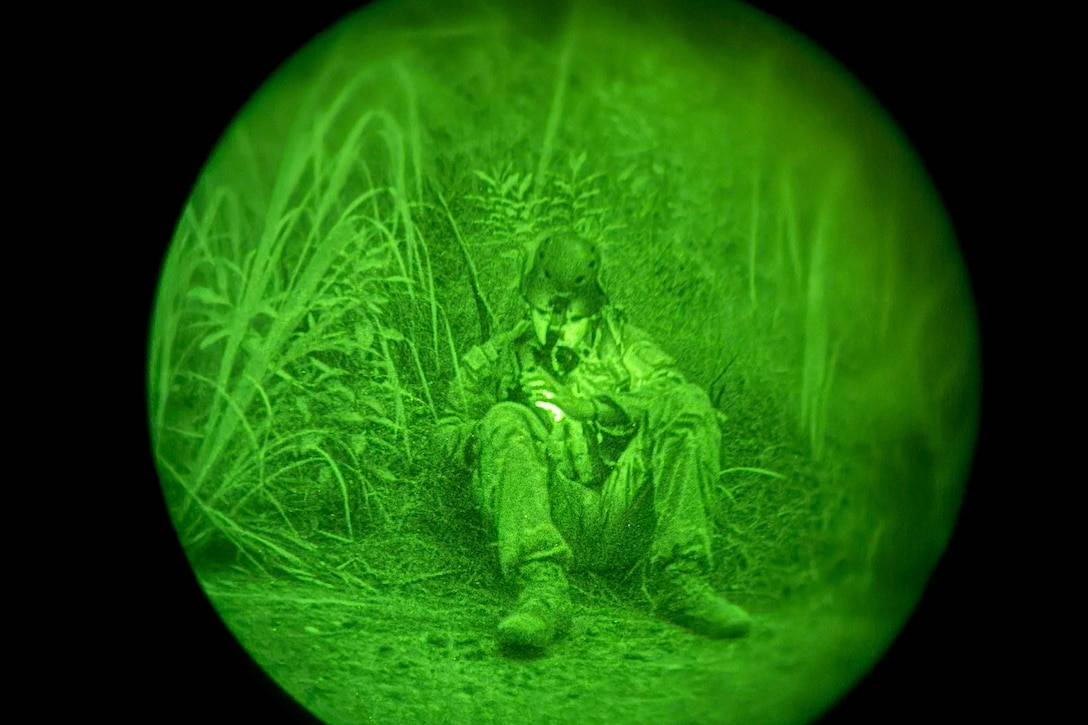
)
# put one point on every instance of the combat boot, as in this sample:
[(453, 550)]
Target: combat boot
[(686, 599), (543, 610)]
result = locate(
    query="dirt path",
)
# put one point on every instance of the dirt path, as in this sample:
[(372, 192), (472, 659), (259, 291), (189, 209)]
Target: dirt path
[(420, 658)]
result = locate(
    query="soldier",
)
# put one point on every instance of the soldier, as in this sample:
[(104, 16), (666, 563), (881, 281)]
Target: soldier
[(587, 449)]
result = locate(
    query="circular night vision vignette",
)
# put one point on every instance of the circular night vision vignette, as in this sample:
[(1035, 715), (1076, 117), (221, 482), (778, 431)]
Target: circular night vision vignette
[(844, 685)]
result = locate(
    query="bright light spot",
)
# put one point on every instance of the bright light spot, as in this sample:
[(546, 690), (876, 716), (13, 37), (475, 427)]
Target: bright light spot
[(557, 413)]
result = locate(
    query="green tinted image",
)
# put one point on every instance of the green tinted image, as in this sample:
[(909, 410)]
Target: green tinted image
[(610, 363)]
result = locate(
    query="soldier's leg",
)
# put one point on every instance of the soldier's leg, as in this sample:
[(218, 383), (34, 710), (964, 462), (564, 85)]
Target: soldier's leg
[(511, 487), (683, 443), (618, 520), (658, 495)]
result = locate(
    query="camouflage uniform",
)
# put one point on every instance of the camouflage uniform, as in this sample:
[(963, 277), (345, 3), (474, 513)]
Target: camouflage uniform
[(589, 449), (585, 493)]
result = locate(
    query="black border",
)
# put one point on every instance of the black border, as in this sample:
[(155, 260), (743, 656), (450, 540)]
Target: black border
[(162, 87)]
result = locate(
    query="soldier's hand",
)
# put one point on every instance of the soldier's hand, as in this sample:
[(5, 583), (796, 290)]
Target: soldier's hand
[(542, 390), (535, 382)]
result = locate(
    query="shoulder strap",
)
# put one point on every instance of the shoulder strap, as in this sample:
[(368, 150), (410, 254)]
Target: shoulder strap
[(614, 317)]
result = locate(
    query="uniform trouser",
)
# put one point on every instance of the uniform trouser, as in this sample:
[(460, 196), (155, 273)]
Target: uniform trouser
[(652, 506)]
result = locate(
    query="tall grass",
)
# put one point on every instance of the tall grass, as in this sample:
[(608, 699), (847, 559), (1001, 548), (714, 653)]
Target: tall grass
[(325, 279), (265, 314), (820, 353), (300, 335)]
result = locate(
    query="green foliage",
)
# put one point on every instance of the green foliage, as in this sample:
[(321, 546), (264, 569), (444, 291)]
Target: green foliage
[(357, 231), (283, 386), (509, 210)]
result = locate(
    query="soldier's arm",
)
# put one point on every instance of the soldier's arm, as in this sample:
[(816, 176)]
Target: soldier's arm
[(651, 372), (470, 394), (608, 414)]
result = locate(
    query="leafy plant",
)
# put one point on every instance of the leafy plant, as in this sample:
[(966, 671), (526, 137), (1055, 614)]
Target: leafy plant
[(352, 238), (276, 357)]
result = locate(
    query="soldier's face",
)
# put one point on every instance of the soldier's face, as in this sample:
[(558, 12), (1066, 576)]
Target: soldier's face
[(555, 327)]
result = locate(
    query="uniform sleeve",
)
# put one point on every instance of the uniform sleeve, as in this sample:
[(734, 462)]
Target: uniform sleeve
[(470, 394), (650, 370), (650, 367)]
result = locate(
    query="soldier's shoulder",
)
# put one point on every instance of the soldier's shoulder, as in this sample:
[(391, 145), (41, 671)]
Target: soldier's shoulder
[(486, 353), (477, 358), (635, 345), (621, 327)]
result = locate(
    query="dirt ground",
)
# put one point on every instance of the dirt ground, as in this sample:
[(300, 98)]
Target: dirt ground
[(426, 653)]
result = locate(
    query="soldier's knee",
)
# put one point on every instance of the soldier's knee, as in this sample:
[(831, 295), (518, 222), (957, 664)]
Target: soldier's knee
[(507, 418)]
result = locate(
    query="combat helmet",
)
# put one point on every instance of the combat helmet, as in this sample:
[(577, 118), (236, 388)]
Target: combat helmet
[(563, 276)]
